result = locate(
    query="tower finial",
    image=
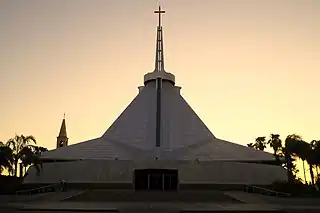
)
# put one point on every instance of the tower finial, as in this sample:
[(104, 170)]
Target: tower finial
[(159, 63), (64, 115)]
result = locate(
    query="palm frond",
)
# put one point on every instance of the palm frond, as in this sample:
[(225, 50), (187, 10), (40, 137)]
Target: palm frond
[(11, 143)]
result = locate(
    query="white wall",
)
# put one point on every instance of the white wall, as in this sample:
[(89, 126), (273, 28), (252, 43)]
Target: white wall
[(101, 171)]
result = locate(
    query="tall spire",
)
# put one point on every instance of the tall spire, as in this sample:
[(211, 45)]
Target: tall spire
[(62, 139), (63, 129), (159, 62), (159, 71)]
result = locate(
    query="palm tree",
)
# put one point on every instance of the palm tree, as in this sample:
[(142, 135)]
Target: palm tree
[(38, 150), (296, 146), (260, 143), (302, 151), (251, 145), (6, 158), (312, 160), (316, 147), (290, 149), (276, 144), (18, 144), (30, 157)]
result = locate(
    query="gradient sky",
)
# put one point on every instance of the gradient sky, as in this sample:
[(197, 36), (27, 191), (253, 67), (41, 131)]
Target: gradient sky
[(247, 67)]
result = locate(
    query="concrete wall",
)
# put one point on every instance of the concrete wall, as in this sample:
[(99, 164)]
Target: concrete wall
[(117, 171)]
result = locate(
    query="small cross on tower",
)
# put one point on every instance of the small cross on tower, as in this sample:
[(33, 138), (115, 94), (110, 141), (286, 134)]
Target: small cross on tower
[(159, 12)]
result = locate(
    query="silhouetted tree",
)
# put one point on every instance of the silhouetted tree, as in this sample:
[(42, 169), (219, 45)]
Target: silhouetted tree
[(20, 149), (6, 158), (30, 158), (260, 143), (290, 149), (301, 150), (293, 147), (311, 159), (251, 145), (38, 150), (315, 144), (276, 144), (18, 144)]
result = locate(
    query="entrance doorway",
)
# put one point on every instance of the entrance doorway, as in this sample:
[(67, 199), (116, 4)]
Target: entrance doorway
[(156, 179)]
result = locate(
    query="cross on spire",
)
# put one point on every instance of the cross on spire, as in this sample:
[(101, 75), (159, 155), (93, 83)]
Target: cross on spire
[(159, 63), (159, 11)]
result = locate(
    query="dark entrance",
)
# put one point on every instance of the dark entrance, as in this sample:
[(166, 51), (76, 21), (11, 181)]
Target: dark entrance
[(156, 179)]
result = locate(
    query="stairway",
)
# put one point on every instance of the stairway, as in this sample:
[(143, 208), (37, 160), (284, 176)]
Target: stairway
[(153, 196)]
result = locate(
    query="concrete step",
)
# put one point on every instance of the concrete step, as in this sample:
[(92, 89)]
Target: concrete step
[(41, 197), (251, 198), (59, 196), (148, 196)]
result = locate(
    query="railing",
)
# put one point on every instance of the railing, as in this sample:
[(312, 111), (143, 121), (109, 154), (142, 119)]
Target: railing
[(264, 191), (43, 189)]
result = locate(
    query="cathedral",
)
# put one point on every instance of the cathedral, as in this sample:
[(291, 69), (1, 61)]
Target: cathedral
[(157, 143)]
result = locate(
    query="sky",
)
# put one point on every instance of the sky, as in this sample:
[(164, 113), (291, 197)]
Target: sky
[(248, 68)]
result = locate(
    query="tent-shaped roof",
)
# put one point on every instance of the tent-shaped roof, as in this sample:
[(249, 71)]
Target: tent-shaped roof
[(183, 135)]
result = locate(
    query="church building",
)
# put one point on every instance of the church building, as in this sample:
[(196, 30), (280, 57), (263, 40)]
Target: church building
[(157, 143)]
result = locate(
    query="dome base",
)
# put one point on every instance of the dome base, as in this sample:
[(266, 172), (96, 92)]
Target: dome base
[(162, 74)]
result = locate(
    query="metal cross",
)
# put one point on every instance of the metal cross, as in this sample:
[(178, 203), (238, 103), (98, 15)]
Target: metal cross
[(159, 12)]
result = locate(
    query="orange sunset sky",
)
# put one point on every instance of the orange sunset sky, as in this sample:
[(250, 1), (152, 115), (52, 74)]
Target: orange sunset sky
[(247, 67)]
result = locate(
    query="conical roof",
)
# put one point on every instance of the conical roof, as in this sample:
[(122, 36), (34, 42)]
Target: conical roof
[(184, 136), (180, 125), (63, 129)]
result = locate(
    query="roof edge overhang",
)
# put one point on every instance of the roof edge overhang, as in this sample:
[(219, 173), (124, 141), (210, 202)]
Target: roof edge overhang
[(266, 162)]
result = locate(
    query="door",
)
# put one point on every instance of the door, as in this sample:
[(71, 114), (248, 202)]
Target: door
[(156, 179)]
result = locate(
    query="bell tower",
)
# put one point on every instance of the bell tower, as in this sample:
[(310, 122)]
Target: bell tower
[(62, 139)]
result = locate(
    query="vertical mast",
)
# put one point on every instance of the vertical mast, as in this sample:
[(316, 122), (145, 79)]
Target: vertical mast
[(159, 71), (159, 62), (159, 67)]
